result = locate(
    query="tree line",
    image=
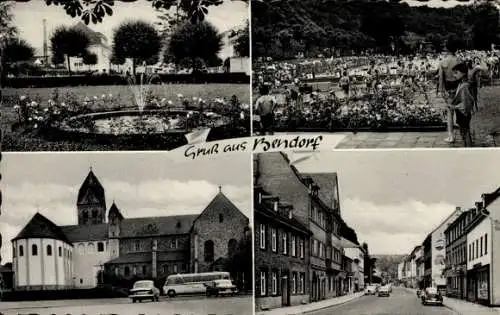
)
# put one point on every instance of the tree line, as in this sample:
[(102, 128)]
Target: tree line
[(283, 29)]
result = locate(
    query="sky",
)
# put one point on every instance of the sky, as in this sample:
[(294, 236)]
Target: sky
[(394, 199), (28, 17), (142, 184)]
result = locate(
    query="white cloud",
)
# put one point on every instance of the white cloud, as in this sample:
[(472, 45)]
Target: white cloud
[(393, 228)]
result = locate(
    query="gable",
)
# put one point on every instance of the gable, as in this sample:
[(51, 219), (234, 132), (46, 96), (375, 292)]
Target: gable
[(221, 205)]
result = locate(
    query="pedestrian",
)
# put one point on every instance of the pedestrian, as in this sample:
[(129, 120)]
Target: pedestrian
[(448, 83), (264, 107), (344, 83), (463, 103)]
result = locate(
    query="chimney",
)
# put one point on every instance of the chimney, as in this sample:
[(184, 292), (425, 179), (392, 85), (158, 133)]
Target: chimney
[(479, 206), (458, 209), (484, 197)]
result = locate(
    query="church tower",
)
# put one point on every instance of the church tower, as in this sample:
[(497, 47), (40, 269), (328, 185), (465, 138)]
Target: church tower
[(115, 219), (91, 202)]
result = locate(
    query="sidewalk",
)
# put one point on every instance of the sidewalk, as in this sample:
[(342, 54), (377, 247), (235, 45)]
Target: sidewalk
[(465, 308), (301, 309)]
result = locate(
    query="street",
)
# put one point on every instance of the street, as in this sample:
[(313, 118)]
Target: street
[(401, 301), (167, 306)]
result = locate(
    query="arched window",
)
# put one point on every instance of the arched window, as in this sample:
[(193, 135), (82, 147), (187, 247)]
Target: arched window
[(60, 251), (90, 248), (232, 247), (127, 271), (21, 251), (221, 218), (100, 247), (85, 216), (34, 250), (81, 249), (49, 250), (209, 251)]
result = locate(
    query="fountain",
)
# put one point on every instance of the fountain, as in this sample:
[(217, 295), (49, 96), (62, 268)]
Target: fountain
[(141, 127)]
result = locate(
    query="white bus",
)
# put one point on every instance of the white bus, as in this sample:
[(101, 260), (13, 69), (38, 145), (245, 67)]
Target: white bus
[(191, 283)]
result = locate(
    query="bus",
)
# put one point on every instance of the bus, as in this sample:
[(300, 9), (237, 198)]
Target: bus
[(191, 283)]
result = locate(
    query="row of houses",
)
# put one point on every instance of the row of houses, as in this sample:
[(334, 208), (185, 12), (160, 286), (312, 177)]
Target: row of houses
[(458, 257), (304, 250)]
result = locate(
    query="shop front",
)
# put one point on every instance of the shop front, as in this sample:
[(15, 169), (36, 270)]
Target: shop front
[(478, 284)]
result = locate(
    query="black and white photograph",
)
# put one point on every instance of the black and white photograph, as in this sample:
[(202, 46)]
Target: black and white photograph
[(119, 233), (384, 74), (123, 75), (376, 233)]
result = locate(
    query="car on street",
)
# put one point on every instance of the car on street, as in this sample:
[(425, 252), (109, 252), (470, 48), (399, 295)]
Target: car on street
[(370, 290), (221, 287), (431, 296), (144, 290), (384, 291), (389, 286)]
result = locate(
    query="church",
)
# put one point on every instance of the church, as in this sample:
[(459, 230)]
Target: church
[(51, 257)]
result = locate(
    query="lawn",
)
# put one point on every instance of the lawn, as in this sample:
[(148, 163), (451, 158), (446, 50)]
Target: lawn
[(487, 120), (15, 140)]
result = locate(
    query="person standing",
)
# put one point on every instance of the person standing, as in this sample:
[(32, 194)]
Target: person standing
[(264, 107), (448, 83), (463, 103)]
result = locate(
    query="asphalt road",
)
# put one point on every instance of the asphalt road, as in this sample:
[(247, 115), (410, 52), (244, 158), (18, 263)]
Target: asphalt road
[(199, 305), (400, 302)]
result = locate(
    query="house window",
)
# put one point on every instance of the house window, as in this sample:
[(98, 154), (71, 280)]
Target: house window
[(144, 270), (49, 250), (481, 250), (209, 251), (165, 269), (274, 283), (85, 217), (59, 249), (294, 283), (81, 249), (117, 271), (262, 236), (301, 248), (173, 243), (477, 248), (485, 244), (127, 271), (100, 247), (274, 241), (470, 252), (21, 251), (175, 268), (263, 284), (301, 283), (135, 271), (294, 244), (90, 248), (34, 250), (137, 246), (221, 218), (284, 243), (321, 250)]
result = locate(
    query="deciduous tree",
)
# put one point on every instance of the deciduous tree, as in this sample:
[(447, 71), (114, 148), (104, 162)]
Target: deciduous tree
[(66, 43)]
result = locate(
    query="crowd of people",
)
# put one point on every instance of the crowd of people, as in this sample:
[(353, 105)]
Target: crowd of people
[(456, 76)]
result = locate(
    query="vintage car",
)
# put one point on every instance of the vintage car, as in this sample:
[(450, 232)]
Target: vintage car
[(144, 290), (221, 287), (384, 291), (370, 290), (431, 296)]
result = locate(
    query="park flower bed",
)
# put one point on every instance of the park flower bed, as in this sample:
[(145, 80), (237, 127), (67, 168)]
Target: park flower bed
[(382, 112)]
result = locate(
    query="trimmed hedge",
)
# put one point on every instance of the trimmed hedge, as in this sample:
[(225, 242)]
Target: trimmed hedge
[(94, 80)]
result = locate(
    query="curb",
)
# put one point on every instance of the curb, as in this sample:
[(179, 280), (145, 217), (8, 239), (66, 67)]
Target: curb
[(322, 308)]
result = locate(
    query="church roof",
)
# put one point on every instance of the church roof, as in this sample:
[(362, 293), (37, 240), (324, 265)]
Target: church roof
[(155, 226), (91, 190), (41, 227), (114, 210), (221, 202), (84, 233)]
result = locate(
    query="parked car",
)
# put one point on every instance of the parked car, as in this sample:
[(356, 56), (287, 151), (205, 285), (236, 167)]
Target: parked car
[(384, 291), (370, 290), (432, 296), (144, 290), (389, 286), (221, 287)]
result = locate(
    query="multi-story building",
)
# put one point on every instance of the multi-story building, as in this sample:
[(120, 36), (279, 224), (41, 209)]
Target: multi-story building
[(412, 276), (347, 266), (282, 254), (401, 266), (356, 254), (51, 257), (315, 201), (456, 256), (419, 261)]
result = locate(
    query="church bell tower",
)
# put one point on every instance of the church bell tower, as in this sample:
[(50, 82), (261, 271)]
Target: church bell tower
[(91, 202)]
